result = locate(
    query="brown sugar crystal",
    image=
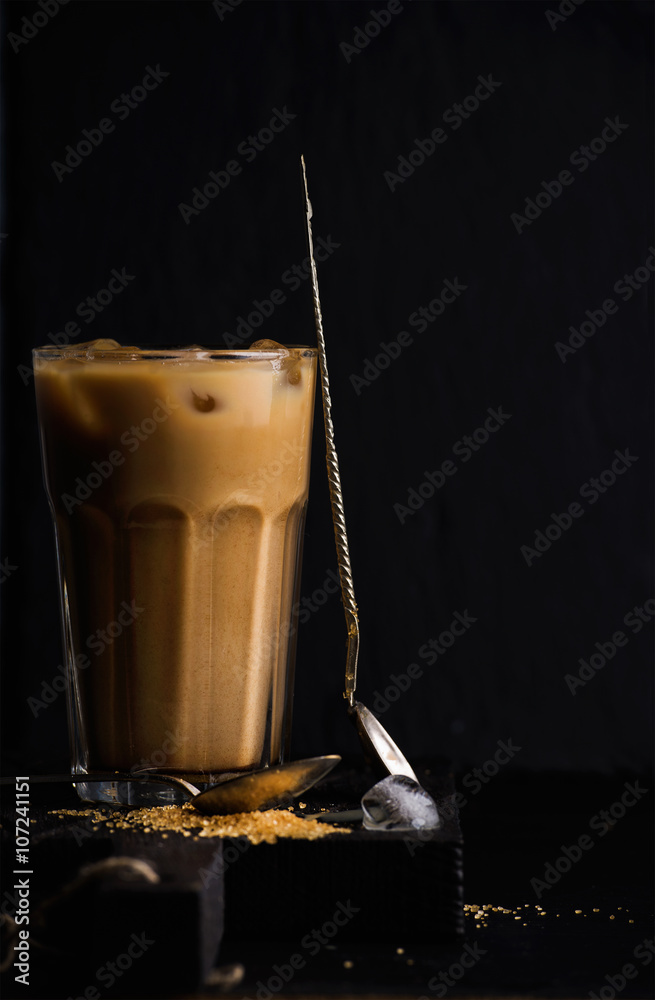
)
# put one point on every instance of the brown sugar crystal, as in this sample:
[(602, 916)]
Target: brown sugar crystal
[(258, 827)]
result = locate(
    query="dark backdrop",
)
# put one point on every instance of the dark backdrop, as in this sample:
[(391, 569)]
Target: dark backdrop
[(356, 93)]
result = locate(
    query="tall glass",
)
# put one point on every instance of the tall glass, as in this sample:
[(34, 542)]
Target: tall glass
[(178, 483)]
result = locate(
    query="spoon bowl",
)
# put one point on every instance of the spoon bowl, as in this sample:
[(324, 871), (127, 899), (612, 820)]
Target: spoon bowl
[(378, 746), (273, 786)]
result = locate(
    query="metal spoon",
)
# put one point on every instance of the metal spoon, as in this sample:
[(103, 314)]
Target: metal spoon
[(376, 741), (264, 789)]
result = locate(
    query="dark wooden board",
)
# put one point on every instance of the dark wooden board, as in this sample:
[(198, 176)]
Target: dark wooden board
[(360, 887), (396, 881)]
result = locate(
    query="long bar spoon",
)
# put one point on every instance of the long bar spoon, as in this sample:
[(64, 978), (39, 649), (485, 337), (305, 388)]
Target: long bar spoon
[(375, 739)]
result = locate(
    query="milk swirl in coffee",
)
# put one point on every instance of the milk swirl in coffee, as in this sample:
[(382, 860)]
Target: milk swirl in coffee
[(178, 482)]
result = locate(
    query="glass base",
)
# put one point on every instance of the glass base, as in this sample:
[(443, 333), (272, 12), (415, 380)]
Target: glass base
[(150, 792), (131, 793)]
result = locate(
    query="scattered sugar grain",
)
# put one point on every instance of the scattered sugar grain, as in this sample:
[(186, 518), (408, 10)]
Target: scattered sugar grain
[(258, 827)]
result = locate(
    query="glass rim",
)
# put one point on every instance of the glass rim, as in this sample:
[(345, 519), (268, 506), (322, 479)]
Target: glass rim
[(155, 353)]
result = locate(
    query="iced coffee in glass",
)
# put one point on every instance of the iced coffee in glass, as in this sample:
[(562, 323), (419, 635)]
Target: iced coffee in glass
[(178, 482)]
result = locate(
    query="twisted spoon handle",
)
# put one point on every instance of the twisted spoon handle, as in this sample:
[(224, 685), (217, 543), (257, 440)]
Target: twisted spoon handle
[(334, 479)]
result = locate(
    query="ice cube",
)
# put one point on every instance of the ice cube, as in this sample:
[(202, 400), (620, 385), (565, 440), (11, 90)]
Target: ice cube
[(102, 344), (399, 803), (267, 345), (279, 363), (204, 403)]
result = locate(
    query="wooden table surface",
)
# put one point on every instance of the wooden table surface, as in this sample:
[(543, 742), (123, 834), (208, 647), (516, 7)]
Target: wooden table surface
[(561, 875)]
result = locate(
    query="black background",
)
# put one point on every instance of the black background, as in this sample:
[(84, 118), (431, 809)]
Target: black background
[(355, 115)]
